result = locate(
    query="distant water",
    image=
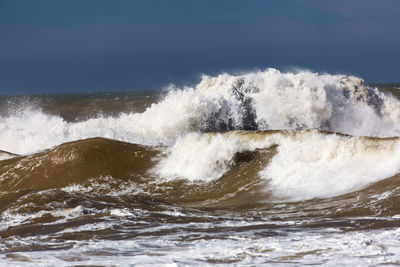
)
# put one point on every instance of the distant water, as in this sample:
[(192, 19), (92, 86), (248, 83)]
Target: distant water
[(263, 168)]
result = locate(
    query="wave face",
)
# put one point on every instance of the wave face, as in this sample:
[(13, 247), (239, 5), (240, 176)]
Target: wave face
[(303, 168), (276, 166), (233, 169)]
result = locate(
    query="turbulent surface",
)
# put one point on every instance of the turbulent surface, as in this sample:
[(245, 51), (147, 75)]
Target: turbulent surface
[(262, 168)]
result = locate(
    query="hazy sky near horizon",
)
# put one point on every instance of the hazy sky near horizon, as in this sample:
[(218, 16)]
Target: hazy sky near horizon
[(51, 46)]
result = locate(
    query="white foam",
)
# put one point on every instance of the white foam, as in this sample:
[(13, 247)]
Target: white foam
[(328, 247), (11, 217), (261, 100), (4, 156), (202, 157), (316, 165), (308, 164)]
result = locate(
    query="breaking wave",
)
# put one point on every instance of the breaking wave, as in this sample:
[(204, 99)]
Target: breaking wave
[(262, 168), (265, 100), (266, 136)]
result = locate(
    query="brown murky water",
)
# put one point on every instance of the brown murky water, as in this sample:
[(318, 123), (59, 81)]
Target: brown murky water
[(103, 201)]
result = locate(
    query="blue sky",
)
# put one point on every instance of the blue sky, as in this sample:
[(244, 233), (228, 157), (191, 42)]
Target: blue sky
[(50, 46)]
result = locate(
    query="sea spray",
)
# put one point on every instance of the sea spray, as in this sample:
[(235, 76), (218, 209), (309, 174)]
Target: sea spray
[(264, 100)]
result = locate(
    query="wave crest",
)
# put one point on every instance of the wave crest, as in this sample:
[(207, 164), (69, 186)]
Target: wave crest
[(264, 100)]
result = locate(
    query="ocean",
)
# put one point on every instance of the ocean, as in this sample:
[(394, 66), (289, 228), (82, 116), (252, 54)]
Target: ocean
[(264, 168)]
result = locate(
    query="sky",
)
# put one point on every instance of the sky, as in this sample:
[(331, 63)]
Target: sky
[(54, 46)]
